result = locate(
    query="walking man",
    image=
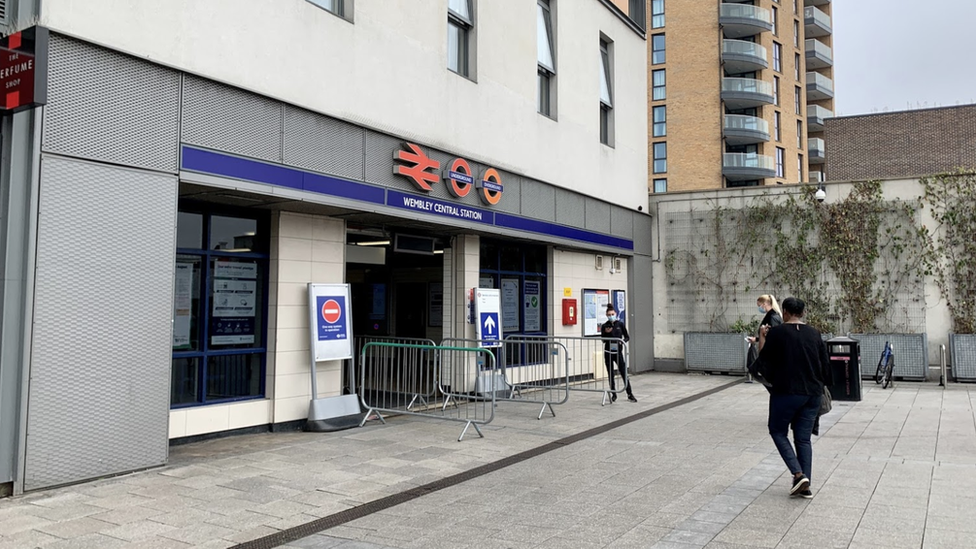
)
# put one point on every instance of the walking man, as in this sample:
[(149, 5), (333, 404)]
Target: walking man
[(613, 351)]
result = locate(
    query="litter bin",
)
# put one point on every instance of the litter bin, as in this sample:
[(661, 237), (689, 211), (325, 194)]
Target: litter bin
[(845, 366)]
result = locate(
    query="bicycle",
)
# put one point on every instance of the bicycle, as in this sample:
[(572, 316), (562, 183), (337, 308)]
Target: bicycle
[(886, 366)]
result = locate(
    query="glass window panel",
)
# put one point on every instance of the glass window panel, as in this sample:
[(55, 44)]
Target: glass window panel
[(604, 124), (657, 14), (777, 57), (780, 154), (660, 157), (796, 66), (659, 91), (605, 87), (544, 94), (660, 185), (776, 126), (489, 256), (796, 99), (775, 90), (335, 6), (456, 44), (660, 122), (189, 230), (775, 18), (233, 376), (236, 303), (657, 49), (185, 382), (544, 38), (233, 234), (186, 302), (511, 258), (799, 134), (461, 8)]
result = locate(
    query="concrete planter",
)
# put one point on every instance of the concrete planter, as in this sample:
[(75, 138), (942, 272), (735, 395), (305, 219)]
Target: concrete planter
[(962, 354), (911, 354), (715, 352)]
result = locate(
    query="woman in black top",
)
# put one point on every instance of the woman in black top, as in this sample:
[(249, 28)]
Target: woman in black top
[(772, 316), (793, 359)]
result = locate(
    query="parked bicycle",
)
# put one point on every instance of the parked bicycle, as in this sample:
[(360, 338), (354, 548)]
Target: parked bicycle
[(886, 366)]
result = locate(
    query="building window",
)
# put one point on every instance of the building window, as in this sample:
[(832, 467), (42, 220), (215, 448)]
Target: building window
[(660, 158), (460, 27), (660, 121), (799, 134), (342, 8), (776, 91), (638, 13), (780, 159), (796, 33), (777, 57), (775, 21), (799, 167), (660, 185), (657, 49), (519, 270), (796, 99), (796, 8), (657, 14), (776, 126), (606, 94), (546, 57), (658, 91), (796, 65), (219, 311)]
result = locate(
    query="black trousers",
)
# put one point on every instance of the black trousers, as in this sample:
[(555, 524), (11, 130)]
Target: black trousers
[(609, 357)]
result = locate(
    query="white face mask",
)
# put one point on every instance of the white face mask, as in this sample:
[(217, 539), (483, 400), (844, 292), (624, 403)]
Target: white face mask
[(761, 310), (611, 318)]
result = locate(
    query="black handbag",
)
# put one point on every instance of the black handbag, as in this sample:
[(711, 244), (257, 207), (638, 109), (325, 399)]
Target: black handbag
[(826, 402)]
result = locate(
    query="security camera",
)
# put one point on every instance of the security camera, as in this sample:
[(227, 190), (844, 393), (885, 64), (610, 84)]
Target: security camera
[(612, 270), (821, 194)]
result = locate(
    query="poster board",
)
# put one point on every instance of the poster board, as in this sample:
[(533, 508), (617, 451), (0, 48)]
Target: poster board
[(620, 303), (594, 310), (330, 325), (487, 303)]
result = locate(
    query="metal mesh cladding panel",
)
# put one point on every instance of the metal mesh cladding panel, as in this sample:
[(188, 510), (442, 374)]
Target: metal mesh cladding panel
[(570, 208), (231, 120), (621, 222), (323, 144), (103, 105), (962, 351), (708, 352), (100, 368), (911, 354), (538, 200), (597, 215)]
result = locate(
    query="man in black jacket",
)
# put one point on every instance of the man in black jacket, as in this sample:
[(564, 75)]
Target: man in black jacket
[(613, 351)]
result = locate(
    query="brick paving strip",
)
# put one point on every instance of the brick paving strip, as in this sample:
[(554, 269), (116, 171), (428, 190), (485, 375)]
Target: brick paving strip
[(304, 530)]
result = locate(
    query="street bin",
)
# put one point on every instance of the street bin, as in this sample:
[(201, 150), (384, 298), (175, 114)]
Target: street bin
[(845, 367)]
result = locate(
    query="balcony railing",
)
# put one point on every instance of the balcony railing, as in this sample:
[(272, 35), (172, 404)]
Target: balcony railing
[(740, 20), (819, 55), (746, 166), (816, 115), (819, 87), (815, 22), (816, 150), (745, 93), (742, 56), (740, 129)]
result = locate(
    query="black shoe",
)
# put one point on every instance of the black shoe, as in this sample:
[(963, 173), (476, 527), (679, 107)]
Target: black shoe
[(805, 494), (613, 397), (800, 484), (632, 398)]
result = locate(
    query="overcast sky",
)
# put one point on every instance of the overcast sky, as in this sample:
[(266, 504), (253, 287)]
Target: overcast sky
[(901, 54)]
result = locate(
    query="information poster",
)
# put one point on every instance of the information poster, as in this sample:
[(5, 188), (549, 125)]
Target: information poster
[(234, 303), (594, 310), (330, 321), (487, 302), (510, 304), (532, 306), (182, 305), (620, 303)]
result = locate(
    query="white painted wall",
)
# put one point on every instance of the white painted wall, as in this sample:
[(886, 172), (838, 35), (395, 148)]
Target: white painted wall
[(387, 70)]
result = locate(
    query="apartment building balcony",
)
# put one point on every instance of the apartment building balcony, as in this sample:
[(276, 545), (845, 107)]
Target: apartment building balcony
[(746, 166), (740, 129), (819, 55), (746, 93), (816, 150), (816, 2), (816, 23), (816, 115), (739, 20), (741, 56), (819, 87), (815, 177)]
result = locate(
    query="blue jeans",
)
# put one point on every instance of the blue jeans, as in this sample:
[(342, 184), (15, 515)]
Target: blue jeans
[(798, 412)]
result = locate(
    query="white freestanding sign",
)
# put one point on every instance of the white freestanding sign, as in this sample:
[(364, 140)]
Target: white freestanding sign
[(330, 321), (488, 316)]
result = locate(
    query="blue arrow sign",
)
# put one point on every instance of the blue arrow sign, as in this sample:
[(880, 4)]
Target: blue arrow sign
[(489, 326)]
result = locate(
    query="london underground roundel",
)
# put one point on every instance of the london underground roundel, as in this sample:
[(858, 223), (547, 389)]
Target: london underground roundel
[(458, 177), (331, 311), (490, 187)]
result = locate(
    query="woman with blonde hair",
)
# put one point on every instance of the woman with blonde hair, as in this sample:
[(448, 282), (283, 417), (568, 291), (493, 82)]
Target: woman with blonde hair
[(772, 316)]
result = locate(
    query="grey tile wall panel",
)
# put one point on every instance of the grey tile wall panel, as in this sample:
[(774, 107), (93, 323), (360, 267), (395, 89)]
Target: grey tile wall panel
[(107, 106), (323, 144), (231, 120), (621, 222), (102, 334), (538, 200), (570, 208), (597, 216), (643, 239)]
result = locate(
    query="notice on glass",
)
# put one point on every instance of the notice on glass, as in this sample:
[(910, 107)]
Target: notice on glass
[(234, 298), (510, 304), (532, 306), (182, 305), (235, 269), (594, 310)]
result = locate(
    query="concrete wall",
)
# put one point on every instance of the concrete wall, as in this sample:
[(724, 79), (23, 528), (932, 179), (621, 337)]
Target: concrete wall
[(388, 70), (668, 341)]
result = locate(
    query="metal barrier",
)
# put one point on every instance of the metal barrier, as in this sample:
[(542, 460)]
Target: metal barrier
[(420, 367), (396, 381), (587, 357), (531, 370)]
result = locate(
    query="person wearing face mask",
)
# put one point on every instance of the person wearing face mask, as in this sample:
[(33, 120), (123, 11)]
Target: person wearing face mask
[(772, 316), (612, 351)]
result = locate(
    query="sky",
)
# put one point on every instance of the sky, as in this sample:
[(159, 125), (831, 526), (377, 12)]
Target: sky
[(898, 55)]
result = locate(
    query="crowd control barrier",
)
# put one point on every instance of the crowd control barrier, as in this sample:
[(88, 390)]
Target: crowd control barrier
[(530, 371), (587, 369), (396, 380), (420, 366)]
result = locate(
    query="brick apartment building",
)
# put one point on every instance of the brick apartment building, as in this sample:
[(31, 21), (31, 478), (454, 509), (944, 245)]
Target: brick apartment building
[(901, 144)]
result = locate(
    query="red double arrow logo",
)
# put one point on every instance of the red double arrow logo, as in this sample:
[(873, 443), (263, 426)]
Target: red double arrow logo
[(420, 170)]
